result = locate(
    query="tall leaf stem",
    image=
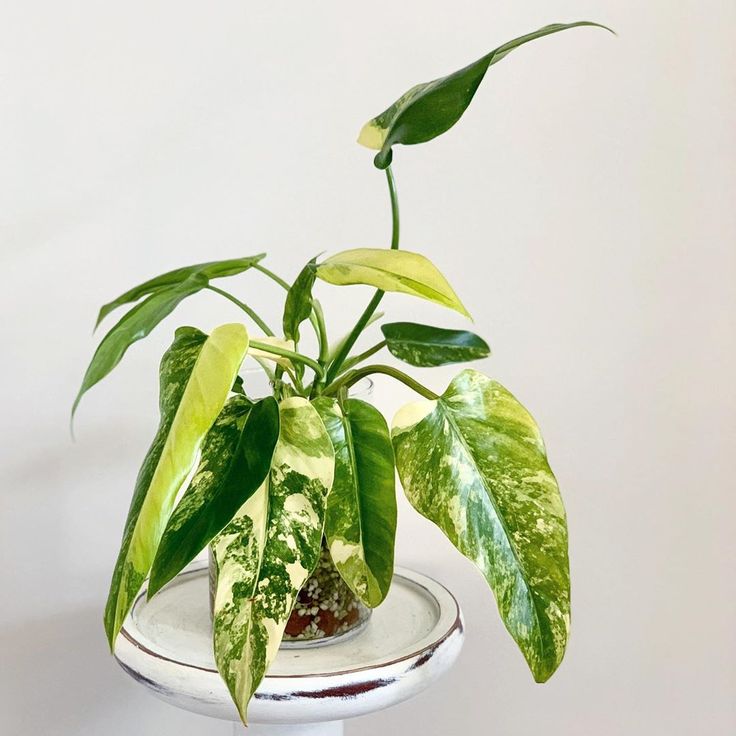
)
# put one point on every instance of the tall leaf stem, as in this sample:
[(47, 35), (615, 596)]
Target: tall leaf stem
[(354, 360), (336, 364), (352, 377), (248, 310), (290, 354)]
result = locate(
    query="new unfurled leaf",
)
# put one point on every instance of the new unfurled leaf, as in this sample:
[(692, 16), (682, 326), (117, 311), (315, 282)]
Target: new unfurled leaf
[(298, 304), (196, 375), (429, 109), (133, 326), (268, 551), (474, 463), (360, 524), (210, 270), (426, 346), (235, 459), (391, 270)]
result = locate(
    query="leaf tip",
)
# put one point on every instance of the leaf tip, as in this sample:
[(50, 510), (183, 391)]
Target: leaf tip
[(371, 136)]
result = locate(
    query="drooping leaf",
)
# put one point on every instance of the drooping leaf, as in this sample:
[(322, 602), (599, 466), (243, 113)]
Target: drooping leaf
[(298, 304), (391, 270), (430, 109), (210, 270), (133, 326), (360, 524), (196, 375), (268, 551), (426, 346), (235, 459), (474, 463)]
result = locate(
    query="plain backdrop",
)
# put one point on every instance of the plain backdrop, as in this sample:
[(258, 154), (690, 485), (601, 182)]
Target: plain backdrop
[(583, 209)]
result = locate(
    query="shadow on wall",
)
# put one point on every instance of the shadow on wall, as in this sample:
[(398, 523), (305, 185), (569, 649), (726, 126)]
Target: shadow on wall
[(58, 679)]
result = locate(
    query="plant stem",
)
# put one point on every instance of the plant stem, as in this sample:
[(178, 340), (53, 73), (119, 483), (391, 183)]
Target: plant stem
[(274, 277), (355, 375), (290, 354), (336, 364), (353, 361), (324, 346), (248, 310)]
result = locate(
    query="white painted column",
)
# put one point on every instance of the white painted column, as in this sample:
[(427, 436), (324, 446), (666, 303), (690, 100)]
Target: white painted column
[(331, 728)]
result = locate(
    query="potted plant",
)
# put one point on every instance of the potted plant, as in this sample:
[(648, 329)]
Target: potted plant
[(294, 492)]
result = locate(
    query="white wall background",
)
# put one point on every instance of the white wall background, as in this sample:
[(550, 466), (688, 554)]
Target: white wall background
[(584, 209)]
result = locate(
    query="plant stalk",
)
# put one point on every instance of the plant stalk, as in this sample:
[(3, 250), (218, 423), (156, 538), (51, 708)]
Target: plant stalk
[(336, 364), (290, 354), (354, 376), (248, 310)]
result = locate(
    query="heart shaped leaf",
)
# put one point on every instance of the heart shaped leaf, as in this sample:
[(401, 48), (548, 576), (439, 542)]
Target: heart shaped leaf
[(196, 375), (268, 551), (360, 524), (391, 270), (430, 109), (426, 346), (235, 459), (474, 463), (210, 270)]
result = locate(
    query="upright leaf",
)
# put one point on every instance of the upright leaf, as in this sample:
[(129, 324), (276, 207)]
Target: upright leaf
[(298, 304), (268, 551), (426, 346), (210, 270), (134, 326), (196, 375), (429, 109), (474, 463), (235, 459), (391, 270), (360, 524)]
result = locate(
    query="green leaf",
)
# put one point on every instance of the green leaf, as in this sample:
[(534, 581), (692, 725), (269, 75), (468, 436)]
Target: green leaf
[(269, 550), (236, 457), (474, 463), (134, 326), (360, 524), (298, 304), (426, 346), (391, 270), (196, 375), (429, 109), (210, 270)]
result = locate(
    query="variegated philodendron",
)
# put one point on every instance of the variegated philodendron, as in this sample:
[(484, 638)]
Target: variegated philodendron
[(269, 549), (280, 475)]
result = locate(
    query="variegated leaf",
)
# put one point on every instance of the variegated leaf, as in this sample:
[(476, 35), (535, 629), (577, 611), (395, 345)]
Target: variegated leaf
[(474, 463), (391, 270), (431, 108), (269, 550), (196, 375), (210, 270), (235, 459), (360, 524)]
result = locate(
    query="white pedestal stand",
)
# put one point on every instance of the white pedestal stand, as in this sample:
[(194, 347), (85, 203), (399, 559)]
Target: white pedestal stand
[(410, 640)]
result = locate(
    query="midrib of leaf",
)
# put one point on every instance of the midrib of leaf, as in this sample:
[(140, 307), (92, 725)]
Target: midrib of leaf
[(354, 469), (499, 516)]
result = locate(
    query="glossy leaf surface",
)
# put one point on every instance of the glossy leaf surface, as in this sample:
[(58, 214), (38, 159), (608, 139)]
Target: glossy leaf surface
[(196, 375), (269, 549), (430, 109), (426, 346), (298, 304), (133, 326), (391, 270), (474, 463), (360, 524), (210, 270), (235, 459)]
